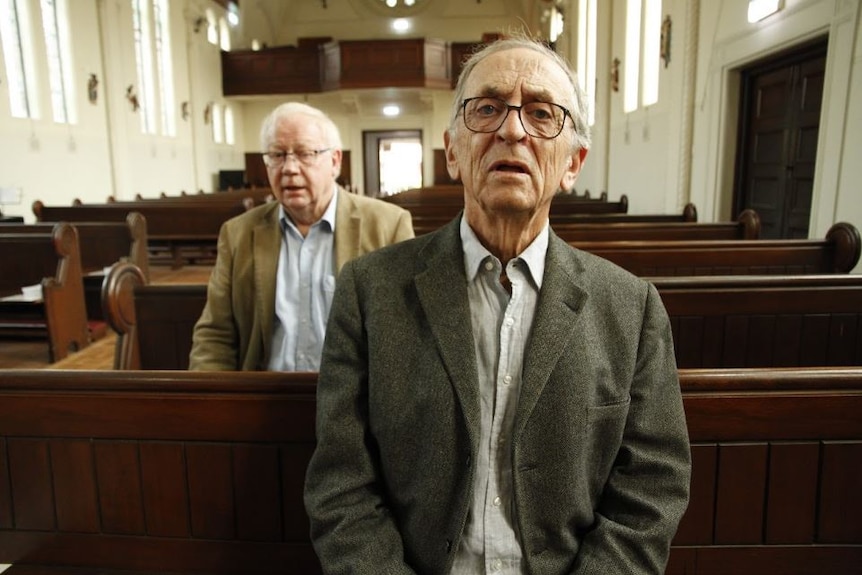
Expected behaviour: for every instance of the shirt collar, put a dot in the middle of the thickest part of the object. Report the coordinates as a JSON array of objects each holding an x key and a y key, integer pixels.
[
  {"x": 328, "y": 216},
  {"x": 533, "y": 256}
]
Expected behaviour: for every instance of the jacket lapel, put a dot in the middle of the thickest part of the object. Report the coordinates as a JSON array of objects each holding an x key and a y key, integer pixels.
[
  {"x": 266, "y": 244},
  {"x": 348, "y": 227},
  {"x": 556, "y": 318},
  {"x": 442, "y": 290}
]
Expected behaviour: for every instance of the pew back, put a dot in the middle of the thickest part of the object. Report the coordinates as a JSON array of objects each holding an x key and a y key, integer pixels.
[
  {"x": 765, "y": 321},
  {"x": 837, "y": 254},
  {"x": 203, "y": 472}
]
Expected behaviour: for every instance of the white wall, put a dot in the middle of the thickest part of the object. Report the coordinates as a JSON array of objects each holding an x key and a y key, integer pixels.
[{"x": 678, "y": 150}]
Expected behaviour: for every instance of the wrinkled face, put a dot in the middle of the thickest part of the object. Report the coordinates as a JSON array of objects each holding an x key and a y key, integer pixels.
[
  {"x": 304, "y": 189},
  {"x": 509, "y": 170}
]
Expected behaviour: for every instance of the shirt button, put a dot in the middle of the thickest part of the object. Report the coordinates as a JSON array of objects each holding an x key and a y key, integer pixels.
[
  {"x": 509, "y": 322},
  {"x": 507, "y": 380},
  {"x": 497, "y": 501},
  {"x": 497, "y": 565},
  {"x": 489, "y": 265}
]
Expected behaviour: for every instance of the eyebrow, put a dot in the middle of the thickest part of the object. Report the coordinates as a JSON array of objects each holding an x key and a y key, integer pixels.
[{"x": 541, "y": 95}]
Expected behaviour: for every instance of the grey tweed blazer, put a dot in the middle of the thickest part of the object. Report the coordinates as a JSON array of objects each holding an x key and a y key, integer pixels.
[{"x": 600, "y": 449}]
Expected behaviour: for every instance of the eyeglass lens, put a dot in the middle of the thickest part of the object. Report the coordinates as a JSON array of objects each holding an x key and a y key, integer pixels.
[{"x": 540, "y": 119}]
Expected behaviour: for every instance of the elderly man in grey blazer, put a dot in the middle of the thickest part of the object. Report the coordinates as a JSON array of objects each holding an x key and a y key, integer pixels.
[
  {"x": 491, "y": 399},
  {"x": 271, "y": 288}
]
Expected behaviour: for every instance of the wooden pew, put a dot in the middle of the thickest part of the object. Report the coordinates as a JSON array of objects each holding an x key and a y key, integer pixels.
[
  {"x": 776, "y": 469},
  {"x": 52, "y": 260},
  {"x": 258, "y": 195},
  {"x": 746, "y": 227},
  {"x": 764, "y": 321},
  {"x": 101, "y": 245},
  {"x": 185, "y": 231},
  {"x": 153, "y": 323},
  {"x": 838, "y": 253},
  {"x": 434, "y": 205},
  {"x": 181, "y": 472},
  {"x": 427, "y": 219},
  {"x": 717, "y": 321}
]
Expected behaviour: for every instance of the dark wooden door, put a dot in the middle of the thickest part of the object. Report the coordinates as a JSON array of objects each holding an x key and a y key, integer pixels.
[{"x": 779, "y": 124}]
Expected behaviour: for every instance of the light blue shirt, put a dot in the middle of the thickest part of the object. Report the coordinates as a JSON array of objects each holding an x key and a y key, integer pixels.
[
  {"x": 501, "y": 327},
  {"x": 304, "y": 286}
]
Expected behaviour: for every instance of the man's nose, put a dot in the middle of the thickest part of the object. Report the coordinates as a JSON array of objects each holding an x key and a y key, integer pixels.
[{"x": 512, "y": 128}]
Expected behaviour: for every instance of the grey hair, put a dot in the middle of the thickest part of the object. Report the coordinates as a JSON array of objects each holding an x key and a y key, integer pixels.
[
  {"x": 577, "y": 105},
  {"x": 267, "y": 128}
]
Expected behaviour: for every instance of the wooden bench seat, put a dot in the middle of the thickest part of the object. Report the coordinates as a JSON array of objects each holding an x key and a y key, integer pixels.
[
  {"x": 52, "y": 260},
  {"x": 182, "y": 472},
  {"x": 838, "y": 253}
]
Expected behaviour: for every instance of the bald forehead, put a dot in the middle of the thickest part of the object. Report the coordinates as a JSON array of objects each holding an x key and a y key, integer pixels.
[{"x": 519, "y": 71}]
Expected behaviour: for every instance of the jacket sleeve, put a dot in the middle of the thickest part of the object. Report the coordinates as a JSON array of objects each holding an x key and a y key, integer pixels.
[
  {"x": 352, "y": 528},
  {"x": 215, "y": 341},
  {"x": 404, "y": 227},
  {"x": 648, "y": 487}
]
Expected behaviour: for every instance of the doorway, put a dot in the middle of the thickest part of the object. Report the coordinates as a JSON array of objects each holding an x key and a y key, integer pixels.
[
  {"x": 393, "y": 161},
  {"x": 780, "y": 105}
]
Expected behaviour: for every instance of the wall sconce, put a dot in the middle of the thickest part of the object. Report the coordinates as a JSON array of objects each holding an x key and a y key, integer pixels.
[
  {"x": 198, "y": 23},
  {"x": 184, "y": 110},
  {"x": 208, "y": 110},
  {"x": 615, "y": 75},
  {"x": 760, "y": 9}
]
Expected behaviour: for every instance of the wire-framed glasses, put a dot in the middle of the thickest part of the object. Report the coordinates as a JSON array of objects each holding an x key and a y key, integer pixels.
[
  {"x": 277, "y": 158},
  {"x": 484, "y": 114}
]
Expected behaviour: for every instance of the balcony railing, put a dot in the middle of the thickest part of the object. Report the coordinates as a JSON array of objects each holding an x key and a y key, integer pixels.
[{"x": 325, "y": 66}]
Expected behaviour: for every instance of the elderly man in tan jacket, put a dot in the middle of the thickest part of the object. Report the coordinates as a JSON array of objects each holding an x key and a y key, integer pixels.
[{"x": 271, "y": 288}]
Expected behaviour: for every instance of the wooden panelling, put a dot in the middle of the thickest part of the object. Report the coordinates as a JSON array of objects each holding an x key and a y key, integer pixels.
[
  {"x": 791, "y": 500},
  {"x": 282, "y": 70},
  {"x": 740, "y": 493},
  {"x": 386, "y": 63},
  {"x": 165, "y": 489},
  {"x": 698, "y": 524},
  {"x": 120, "y": 493},
  {"x": 841, "y": 493},
  {"x": 30, "y": 474},
  {"x": 73, "y": 473}
]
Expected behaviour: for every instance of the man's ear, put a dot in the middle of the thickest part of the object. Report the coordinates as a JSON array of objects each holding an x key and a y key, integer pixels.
[
  {"x": 576, "y": 162},
  {"x": 336, "y": 157},
  {"x": 451, "y": 162}
]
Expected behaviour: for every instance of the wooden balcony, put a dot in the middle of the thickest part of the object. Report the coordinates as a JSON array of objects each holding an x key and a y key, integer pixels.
[{"x": 317, "y": 67}]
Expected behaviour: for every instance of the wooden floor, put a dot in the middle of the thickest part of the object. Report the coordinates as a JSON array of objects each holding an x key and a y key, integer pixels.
[{"x": 99, "y": 354}]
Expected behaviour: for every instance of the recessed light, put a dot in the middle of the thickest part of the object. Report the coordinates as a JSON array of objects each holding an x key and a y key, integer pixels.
[
  {"x": 401, "y": 24},
  {"x": 391, "y": 110}
]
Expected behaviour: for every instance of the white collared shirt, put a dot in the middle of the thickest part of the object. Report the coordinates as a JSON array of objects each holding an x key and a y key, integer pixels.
[
  {"x": 304, "y": 286},
  {"x": 501, "y": 328}
]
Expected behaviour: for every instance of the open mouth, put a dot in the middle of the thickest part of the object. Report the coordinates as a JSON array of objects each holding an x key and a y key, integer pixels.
[{"x": 511, "y": 167}]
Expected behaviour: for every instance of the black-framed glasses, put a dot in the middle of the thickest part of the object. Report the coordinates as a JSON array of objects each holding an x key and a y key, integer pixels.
[
  {"x": 277, "y": 158},
  {"x": 484, "y": 114}
]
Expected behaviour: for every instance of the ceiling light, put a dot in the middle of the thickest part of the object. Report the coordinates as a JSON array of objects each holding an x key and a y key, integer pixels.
[
  {"x": 391, "y": 110},
  {"x": 401, "y": 25}
]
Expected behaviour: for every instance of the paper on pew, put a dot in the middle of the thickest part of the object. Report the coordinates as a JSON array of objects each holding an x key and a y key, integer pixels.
[{"x": 33, "y": 292}]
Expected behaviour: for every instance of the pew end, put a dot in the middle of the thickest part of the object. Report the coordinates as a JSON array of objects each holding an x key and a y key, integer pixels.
[
  {"x": 118, "y": 307},
  {"x": 53, "y": 260}
]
